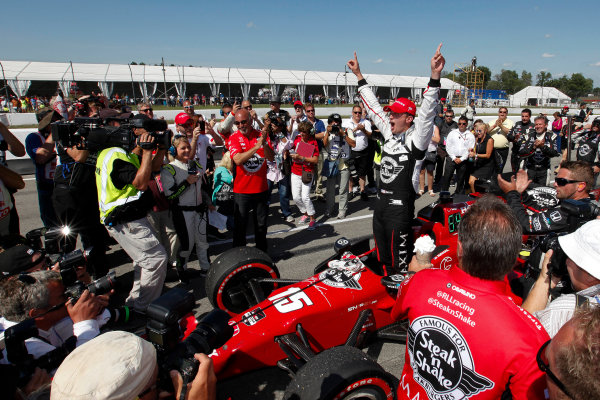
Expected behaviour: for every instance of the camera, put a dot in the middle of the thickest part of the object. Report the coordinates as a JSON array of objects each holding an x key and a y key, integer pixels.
[
  {"x": 579, "y": 212},
  {"x": 50, "y": 240},
  {"x": 74, "y": 290},
  {"x": 17, "y": 354},
  {"x": 166, "y": 315},
  {"x": 335, "y": 129},
  {"x": 558, "y": 265}
]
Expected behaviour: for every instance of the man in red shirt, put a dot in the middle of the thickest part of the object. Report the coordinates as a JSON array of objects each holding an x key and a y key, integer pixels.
[
  {"x": 467, "y": 338},
  {"x": 249, "y": 150}
]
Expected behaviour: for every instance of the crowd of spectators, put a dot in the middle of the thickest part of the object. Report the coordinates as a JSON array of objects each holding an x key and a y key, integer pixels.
[{"x": 158, "y": 201}]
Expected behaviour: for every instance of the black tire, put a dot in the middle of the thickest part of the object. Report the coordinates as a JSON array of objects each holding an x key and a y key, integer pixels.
[
  {"x": 227, "y": 280},
  {"x": 341, "y": 373}
]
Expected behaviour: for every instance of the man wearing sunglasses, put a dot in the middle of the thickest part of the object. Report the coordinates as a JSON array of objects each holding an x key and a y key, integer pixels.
[
  {"x": 571, "y": 359},
  {"x": 582, "y": 249},
  {"x": 406, "y": 139},
  {"x": 518, "y": 135},
  {"x": 539, "y": 148},
  {"x": 574, "y": 181}
]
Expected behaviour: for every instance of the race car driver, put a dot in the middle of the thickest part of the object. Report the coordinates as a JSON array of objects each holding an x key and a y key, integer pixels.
[
  {"x": 455, "y": 348},
  {"x": 574, "y": 181},
  {"x": 405, "y": 142}
]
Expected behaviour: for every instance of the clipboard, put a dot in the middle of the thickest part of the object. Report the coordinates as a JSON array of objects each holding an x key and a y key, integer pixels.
[{"x": 305, "y": 150}]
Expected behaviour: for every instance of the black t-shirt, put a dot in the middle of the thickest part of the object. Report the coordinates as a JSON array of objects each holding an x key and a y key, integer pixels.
[{"x": 79, "y": 175}]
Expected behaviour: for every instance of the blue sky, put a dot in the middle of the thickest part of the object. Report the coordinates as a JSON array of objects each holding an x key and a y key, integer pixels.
[{"x": 391, "y": 37}]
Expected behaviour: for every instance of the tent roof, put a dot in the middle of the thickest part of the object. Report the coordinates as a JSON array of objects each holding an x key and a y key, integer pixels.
[
  {"x": 79, "y": 72},
  {"x": 538, "y": 92}
]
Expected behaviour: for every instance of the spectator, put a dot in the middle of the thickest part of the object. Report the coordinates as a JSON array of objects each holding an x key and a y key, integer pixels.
[
  {"x": 470, "y": 113},
  {"x": 250, "y": 149},
  {"x": 538, "y": 148},
  {"x": 583, "y": 114},
  {"x": 146, "y": 109},
  {"x": 125, "y": 367},
  {"x": 122, "y": 179},
  {"x": 337, "y": 148},
  {"x": 453, "y": 318},
  {"x": 40, "y": 295},
  {"x": 40, "y": 148},
  {"x": 582, "y": 249},
  {"x": 445, "y": 127},
  {"x": 573, "y": 182},
  {"x": 440, "y": 110},
  {"x": 319, "y": 127},
  {"x": 428, "y": 165},
  {"x": 302, "y": 172},
  {"x": 482, "y": 155},
  {"x": 557, "y": 125},
  {"x": 279, "y": 170},
  {"x": 10, "y": 182},
  {"x": 225, "y": 126},
  {"x": 222, "y": 196},
  {"x": 189, "y": 203},
  {"x": 460, "y": 141},
  {"x": 299, "y": 116},
  {"x": 405, "y": 142},
  {"x": 518, "y": 135},
  {"x": 198, "y": 138},
  {"x": 359, "y": 131},
  {"x": 498, "y": 130},
  {"x": 570, "y": 360},
  {"x": 188, "y": 108},
  {"x": 256, "y": 122}
]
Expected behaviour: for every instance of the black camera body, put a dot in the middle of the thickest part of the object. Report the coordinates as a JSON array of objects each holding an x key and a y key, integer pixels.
[
  {"x": 164, "y": 332},
  {"x": 74, "y": 290},
  {"x": 50, "y": 240},
  {"x": 17, "y": 354}
]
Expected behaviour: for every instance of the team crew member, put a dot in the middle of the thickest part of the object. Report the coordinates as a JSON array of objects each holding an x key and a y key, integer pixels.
[
  {"x": 122, "y": 180},
  {"x": 453, "y": 331},
  {"x": 405, "y": 144},
  {"x": 183, "y": 186},
  {"x": 573, "y": 181},
  {"x": 589, "y": 146},
  {"x": 249, "y": 150},
  {"x": 539, "y": 148},
  {"x": 518, "y": 135}
]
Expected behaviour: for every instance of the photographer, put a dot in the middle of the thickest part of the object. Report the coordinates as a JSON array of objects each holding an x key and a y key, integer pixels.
[
  {"x": 582, "y": 249},
  {"x": 573, "y": 181},
  {"x": 124, "y": 367},
  {"x": 20, "y": 259},
  {"x": 40, "y": 295},
  {"x": 337, "y": 151},
  {"x": 75, "y": 201},
  {"x": 122, "y": 180},
  {"x": 359, "y": 131}
]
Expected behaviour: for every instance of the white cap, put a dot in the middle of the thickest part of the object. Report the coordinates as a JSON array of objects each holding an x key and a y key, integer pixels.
[
  {"x": 583, "y": 247},
  {"x": 115, "y": 365}
]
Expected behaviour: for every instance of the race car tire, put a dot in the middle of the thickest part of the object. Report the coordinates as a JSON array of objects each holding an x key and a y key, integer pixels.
[
  {"x": 341, "y": 373},
  {"x": 227, "y": 280}
]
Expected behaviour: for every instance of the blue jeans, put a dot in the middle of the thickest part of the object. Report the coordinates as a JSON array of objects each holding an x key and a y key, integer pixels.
[{"x": 283, "y": 187}]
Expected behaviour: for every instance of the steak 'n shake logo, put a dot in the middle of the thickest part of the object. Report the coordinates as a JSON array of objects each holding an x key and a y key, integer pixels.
[
  {"x": 441, "y": 360},
  {"x": 254, "y": 163}
]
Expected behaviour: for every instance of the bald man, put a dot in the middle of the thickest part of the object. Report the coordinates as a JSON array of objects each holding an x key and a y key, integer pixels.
[
  {"x": 249, "y": 150},
  {"x": 256, "y": 122}
]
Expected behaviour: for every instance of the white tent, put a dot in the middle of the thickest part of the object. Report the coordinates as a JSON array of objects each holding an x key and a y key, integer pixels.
[
  {"x": 19, "y": 75},
  {"x": 539, "y": 96}
]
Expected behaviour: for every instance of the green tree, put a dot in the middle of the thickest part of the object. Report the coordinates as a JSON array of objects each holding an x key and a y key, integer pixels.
[
  {"x": 509, "y": 81},
  {"x": 133, "y": 63},
  {"x": 579, "y": 86},
  {"x": 487, "y": 75},
  {"x": 526, "y": 78},
  {"x": 543, "y": 78}
]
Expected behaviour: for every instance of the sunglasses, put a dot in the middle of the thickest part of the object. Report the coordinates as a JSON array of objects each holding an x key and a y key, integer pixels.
[
  {"x": 462, "y": 123},
  {"x": 248, "y": 107},
  {"x": 188, "y": 106},
  {"x": 310, "y": 111},
  {"x": 564, "y": 181},
  {"x": 449, "y": 116},
  {"x": 544, "y": 366},
  {"x": 146, "y": 110},
  {"x": 244, "y": 122},
  {"x": 356, "y": 112}
]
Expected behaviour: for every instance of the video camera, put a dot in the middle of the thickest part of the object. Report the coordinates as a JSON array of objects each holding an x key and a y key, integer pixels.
[
  {"x": 96, "y": 134},
  {"x": 49, "y": 240},
  {"x": 164, "y": 331}
]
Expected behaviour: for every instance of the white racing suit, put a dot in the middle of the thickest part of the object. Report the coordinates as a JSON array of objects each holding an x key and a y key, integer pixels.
[{"x": 402, "y": 156}]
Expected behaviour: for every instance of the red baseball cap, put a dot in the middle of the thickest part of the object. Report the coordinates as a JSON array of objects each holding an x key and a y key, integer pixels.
[
  {"x": 443, "y": 99},
  {"x": 298, "y": 103},
  {"x": 181, "y": 118},
  {"x": 401, "y": 106}
]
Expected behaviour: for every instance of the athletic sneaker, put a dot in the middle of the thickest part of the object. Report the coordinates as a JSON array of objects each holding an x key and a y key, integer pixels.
[
  {"x": 290, "y": 219},
  {"x": 304, "y": 219},
  {"x": 311, "y": 225},
  {"x": 364, "y": 196},
  {"x": 341, "y": 215}
]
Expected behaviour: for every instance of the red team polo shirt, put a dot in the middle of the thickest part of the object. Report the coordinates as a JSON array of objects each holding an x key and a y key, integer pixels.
[
  {"x": 467, "y": 339},
  {"x": 251, "y": 177}
]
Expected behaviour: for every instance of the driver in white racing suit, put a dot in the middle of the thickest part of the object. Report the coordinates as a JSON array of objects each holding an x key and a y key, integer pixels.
[{"x": 406, "y": 139}]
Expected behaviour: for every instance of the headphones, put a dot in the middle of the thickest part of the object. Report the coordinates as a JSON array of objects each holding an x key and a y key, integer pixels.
[{"x": 173, "y": 151}]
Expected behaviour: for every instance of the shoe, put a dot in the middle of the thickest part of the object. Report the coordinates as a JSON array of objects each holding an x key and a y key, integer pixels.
[
  {"x": 421, "y": 192},
  {"x": 355, "y": 190},
  {"x": 304, "y": 219},
  {"x": 311, "y": 225},
  {"x": 290, "y": 219},
  {"x": 364, "y": 196},
  {"x": 372, "y": 190},
  {"x": 431, "y": 193},
  {"x": 341, "y": 215}
]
